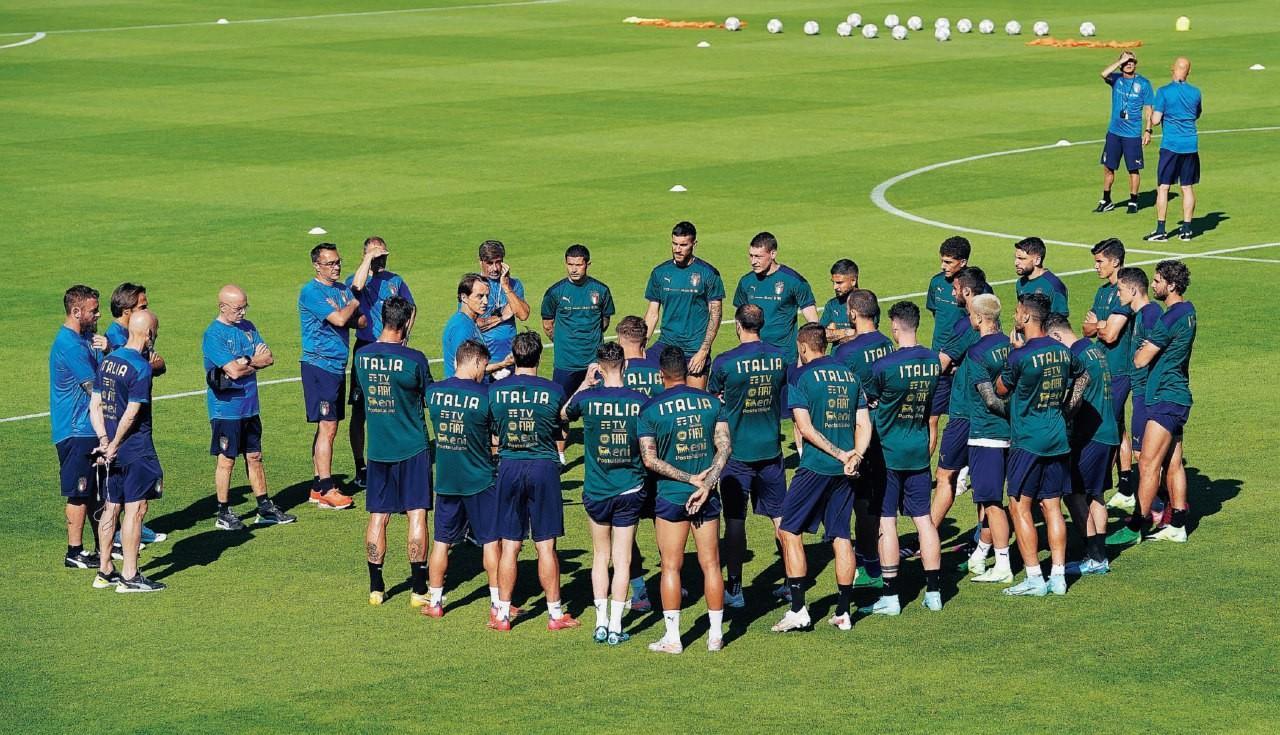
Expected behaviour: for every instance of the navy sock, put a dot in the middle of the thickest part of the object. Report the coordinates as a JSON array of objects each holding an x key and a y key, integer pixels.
[
  {"x": 933, "y": 580},
  {"x": 264, "y": 500},
  {"x": 73, "y": 550},
  {"x": 418, "y": 572},
  {"x": 796, "y": 585},
  {"x": 845, "y": 594},
  {"x": 734, "y": 584},
  {"x": 1179, "y": 518},
  {"x": 1160, "y": 225},
  {"x": 1106, "y": 195},
  {"x": 375, "y": 578}
]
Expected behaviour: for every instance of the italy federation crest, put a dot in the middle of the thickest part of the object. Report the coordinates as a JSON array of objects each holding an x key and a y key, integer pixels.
[
  {"x": 779, "y": 287},
  {"x": 695, "y": 279}
]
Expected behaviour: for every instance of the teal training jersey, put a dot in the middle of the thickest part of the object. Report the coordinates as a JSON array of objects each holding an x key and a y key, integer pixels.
[
  {"x": 394, "y": 379},
  {"x": 832, "y": 395},
  {"x": 1106, "y": 303},
  {"x": 1095, "y": 420},
  {"x": 684, "y": 293},
  {"x": 682, "y": 422},
  {"x": 526, "y": 416},
  {"x": 901, "y": 388},
  {"x": 1049, "y": 285},
  {"x": 1038, "y": 375},
  {"x": 579, "y": 311},
  {"x": 955, "y": 347},
  {"x": 835, "y": 313},
  {"x": 749, "y": 380},
  {"x": 1175, "y": 335},
  {"x": 983, "y": 364},
  {"x": 940, "y": 300},
  {"x": 463, "y": 428},
  {"x": 610, "y": 440},
  {"x": 642, "y": 374},
  {"x": 1142, "y": 324},
  {"x": 781, "y": 295},
  {"x": 861, "y": 352}
]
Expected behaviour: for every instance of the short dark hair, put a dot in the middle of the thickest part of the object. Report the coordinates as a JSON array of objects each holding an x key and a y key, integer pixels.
[
  {"x": 472, "y": 350},
  {"x": 764, "y": 240},
  {"x": 1133, "y": 276},
  {"x": 491, "y": 250},
  {"x": 844, "y": 267},
  {"x": 955, "y": 247},
  {"x": 971, "y": 277},
  {"x": 1176, "y": 274},
  {"x": 1110, "y": 248},
  {"x": 1037, "y": 305},
  {"x": 905, "y": 312},
  {"x": 77, "y": 295},
  {"x": 609, "y": 353},
  {"x": 1057, "y": 321},
  {"x": 372, "y": 239},
  {"x": 315, "y": 252},
  {"x": 125, "y": 297},
  {"x": 863, "y": 302},
  {"x": 578, "y": 251},
  {"x": 814, "y": 336},
  {"x": 526, "y": 348},
  {"x": 396, "y": 312},
  {"x": 467, "y": 285},
  {"x": 750, "y": 317},
  {"x": 633, "y": 328},
  {"x": 1032, "y": 246},
  {"x": 672, "y": 363},
  {"x": 684, "y": 229}
]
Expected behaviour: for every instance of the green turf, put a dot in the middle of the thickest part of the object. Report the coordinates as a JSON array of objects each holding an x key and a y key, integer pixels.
[{"x": 190, "y": 156}]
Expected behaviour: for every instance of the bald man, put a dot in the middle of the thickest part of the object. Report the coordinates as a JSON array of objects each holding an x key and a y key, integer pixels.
[
  {"x": 234, "y": 352},
  {"x": 1176, "y": 109},
  {"x": 120, "y": 409}
]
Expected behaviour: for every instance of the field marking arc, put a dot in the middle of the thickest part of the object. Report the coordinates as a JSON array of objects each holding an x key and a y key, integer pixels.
[
  {"x": 283, "y": 19},
  {"x": 24, "y": 42}
]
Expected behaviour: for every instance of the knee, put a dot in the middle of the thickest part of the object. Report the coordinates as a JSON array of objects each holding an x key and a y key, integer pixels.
[{"x": 253, "y": 458}]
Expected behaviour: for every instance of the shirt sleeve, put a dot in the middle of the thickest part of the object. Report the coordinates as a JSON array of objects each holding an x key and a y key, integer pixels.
[
  {"x": 715, "y": 383},
  {"x": 1158, "y": 104},
  {"x": 549, "y": 304},
  {"x": 1111, "y": 78},
  {"x": 739, "y": 296},
  {"x": 216, "y": 351},
  {"x": 804, "y": 294},
  {"x": 1160, "y": 334},
  {"x": 140, "y": 387},
  {"x": 1148, "y": 94},
  {"x": 872, "y": 387},
  {"x": 517, "y": 285},
  {"x": 404, "y": 292},
  {"x": 826, "y": 318},
  {"x": 607, "y": 308},
  {"x": 573, "y": 409},
  {"x": 645, "y": 426},
  {"x": 1009, "y": 374},
  {"x": 312, "y": 303},
  {"x": 930, "y": 301},
  {"x": 715, "y": 287},
  {"x": 1077, "y": 367},
  {"x": 652, "y": 291},
  {"x": 80, "y": 364}
]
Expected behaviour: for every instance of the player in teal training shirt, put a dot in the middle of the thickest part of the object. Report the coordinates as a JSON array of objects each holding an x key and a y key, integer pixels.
[
  {"x": 1108, "y": 321},
  {"x": 835, "y": 313},
  {"x": 1028, "y": 262},
  {"x": 779, "y": 291},
  {"x": 689, "y": 294}
]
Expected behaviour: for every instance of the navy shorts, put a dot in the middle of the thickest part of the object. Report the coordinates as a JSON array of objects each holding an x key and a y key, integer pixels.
[
  {"x": 322, "y": 392},
  {"x": 569, "y": 380},
  {"x": 1117, "y": 146},
  {"x": 942, "y": 397},
  {"x": 655, "y": 351},
  {"x": 1037, "y": 477},
  {"x": 813, "y": 498},
  {"x": 869, "y": 484},
  {"x": 620, "y": 511},
  {"x": 648, "y": 496},
  {"x": 141, "y": 479},
  {"x": 1182, "y": 169},
  {"x": 454, "y": 513},
  {"x": 1171, "y": 416},
  {"x": 1091, "y": 468},
  {"x": 397, "y": 487},
  {"x": 355, "y": 396},
  {"x": 234, "y": 437},
  {"x": 764, "y": 482},
  {"x": 529, "y": 500},
  {"x": 1138, "y": 424},
  {"x": 76, "y": 467},
  {"x": 906, "y": 491},
  {"x": 986, "y": 473},
  {"x": 1119, "y": 394},
  {"x": 675, "y": 512},
  {"x": 955, "y": 445}
]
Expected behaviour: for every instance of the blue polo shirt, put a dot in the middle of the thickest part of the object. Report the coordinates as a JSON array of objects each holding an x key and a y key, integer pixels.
[
  {"x": 380, "y": 287},
  {"x": 123, "y": 378},
  {"x": 116, "y": 336},
  {"x": 499, "y": 338},
  {"x": 1128, "y": 97},
  {"x": 71, "y": 364},
  {"x": 457, "y": 330},
  {"x": 1180, "y": 104},
  {"x": 323, "y": 344},
  {"x": 223, "y": 343}
]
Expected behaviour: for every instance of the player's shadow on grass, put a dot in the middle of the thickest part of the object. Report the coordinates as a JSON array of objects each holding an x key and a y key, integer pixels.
[
  {"x": 1206, "y": 496},
  {"x": 1208, "y": 222},
  {"x": 1147, "y": 199},
  {"x": 529, "y": 589}
]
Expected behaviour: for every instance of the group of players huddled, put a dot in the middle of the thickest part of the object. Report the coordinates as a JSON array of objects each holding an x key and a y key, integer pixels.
[{"x": 670, "y": 431}]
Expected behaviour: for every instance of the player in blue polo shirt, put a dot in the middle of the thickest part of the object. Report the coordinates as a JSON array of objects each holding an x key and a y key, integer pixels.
[
  {"x": 1131, "y": 98},
  {"x": 506, "y": 304},
  {"x": 1177, "y": 107}
]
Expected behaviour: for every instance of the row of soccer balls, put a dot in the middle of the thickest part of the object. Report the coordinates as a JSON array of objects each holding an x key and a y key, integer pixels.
[{"x": 941, "y": 27}]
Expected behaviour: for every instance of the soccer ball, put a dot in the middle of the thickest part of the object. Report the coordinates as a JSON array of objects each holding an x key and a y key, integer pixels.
[
  {"x": 774, "y": 26},
  {"x": 1087, "y": 29},
  {"x": 854, "y": 19},
  {"x": 811, "y": 28},
  {"x": 899, "y": 33},
  {"x": 942, "y": 23},
  {"x": 942, "y": 33},
  {"x": 915, "y": 23},
  {"x": 986, "y": 25},
  {"x": 964, "y": 25},
  {"x": 870, "y": 30},
  {"x": 844, "y": 30},
  {"x": 1013, "y": 28},
  {"x": 1040, "y": 28},
  {"x": 890, "y": 20},
  {"x": 732, "y": 24}
]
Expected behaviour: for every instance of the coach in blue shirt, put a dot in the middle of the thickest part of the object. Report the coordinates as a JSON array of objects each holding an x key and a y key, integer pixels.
[
  {"x": 1131, "y": 98},
  {"x": 1176, "y": 109},
  {"x": 506, "y": 304}
]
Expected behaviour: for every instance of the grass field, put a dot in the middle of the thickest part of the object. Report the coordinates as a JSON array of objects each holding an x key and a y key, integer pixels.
[{"x": 193, "y": 154}]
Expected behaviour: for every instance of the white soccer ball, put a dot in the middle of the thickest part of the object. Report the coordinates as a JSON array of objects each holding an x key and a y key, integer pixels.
[
  {"x": 942, "y": 23},
  {"x": 1040, "y": 28},
  {"x": 774, "y": 26},
  {"x": 732, "y": 24},
  {"x": 942, "y": 33},
  {"x": 1087, "y": 29},
  {"x": 1013, "y": 28},
  {"x": 986, "y": 25},
  {"x": 870, "y": 30},
  {"x": 899, "y": 33},
  {"x": 964, "y": 25},
  {"x": 890, "y": 20},
  {"x": 854, "y": 19},
  {"x": 915, "y": 23},
  {"x": 844, "y": 30},
  {"x": 811, "y": 28}
]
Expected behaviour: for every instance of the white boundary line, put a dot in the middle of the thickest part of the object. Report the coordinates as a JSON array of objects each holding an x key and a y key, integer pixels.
[
  {"x": 285, "y": 19},
  {"x": 26, "y": 42}
]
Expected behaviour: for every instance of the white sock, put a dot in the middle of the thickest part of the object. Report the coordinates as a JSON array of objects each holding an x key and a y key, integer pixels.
[
  {"x": 562, "y": 459},
  {"x": 601, "y": 612},
  {"x": 1057, "y": 570},
  {"x": 437, "y": 594},
  {"x": 504, "y": 610},
  {"x": 615, "y": 615},
  {"x": 493, "y": 595},
  {"x": 553, "y": 609},
  {"x": 671, "y": 619},
  {"x": 717, "y": 624},
  {"x": 983, "y": 549},
  {"x": 1034, "y": 572},
  {"x": 1002, "y": 558}
]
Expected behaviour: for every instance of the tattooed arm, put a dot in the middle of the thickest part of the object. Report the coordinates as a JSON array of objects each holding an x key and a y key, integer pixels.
[
  {"x": 993, "y": 404},
  {"x": 704, "y": 482},
  {"x": 1076, "y": 396},
  {"x": 649, "y": 453},
  {"x": 814, "y": 437},
  {"x": 699, "y": 359}
]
